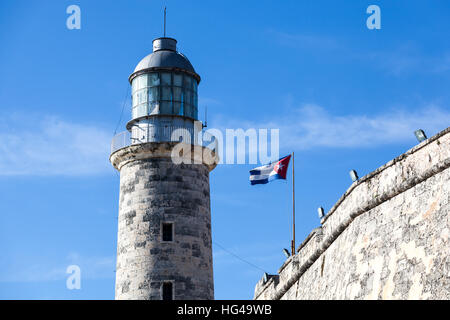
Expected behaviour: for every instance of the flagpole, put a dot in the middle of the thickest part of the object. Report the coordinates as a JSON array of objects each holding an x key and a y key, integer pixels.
[{"x": 293, "y": 207}]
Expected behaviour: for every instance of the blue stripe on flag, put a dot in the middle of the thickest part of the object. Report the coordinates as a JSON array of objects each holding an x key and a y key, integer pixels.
[
  {"x": 266, "y": 180},
  {"x": 262, "y": 181}
]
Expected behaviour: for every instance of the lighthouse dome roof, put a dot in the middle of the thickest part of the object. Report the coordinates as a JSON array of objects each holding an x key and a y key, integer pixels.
[{"x": 165, "y": 56}]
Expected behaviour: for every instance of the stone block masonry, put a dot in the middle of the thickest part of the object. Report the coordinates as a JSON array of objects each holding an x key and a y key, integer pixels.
[
  {"x": 153, "y": 191},
  {"x": 386, "y": 238}
]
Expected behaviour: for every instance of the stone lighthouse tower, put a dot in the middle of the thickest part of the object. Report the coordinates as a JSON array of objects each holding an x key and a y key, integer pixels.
[{"x": 164, "y": 237}]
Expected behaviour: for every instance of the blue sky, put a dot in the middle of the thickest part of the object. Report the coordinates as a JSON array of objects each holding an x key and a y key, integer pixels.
[{"x": 343, "y": 96}]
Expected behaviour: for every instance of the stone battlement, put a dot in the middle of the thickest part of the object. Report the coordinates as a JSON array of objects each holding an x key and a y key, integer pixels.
[{"x": 385, "y": 238}]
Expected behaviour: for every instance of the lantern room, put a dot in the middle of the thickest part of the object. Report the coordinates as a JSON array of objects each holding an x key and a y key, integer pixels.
[{"x": 164, "y": 94}]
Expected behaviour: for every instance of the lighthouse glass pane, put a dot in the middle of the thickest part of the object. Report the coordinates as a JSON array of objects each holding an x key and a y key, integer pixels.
[
  {"x": 194, "y": 85},
  {"x": 166, "y": 93},
  {"x": 166, "y": 107},
  {"x": 188, "y": 96},
  {"x": 177, "y": 94},
  {"x": 181, "y": 112},
  {"x": 141, "y": 110},
  {"x": 142, "y": 96},
  {"x": 177, "y": 108},
  {"x": 188, "y": 110},
  {"x": 143, "y": 81},
  {"x": 153, "y": 79},
  {"x": 166, "y": 79},
  {"x": 151, "y": 108},
  {"x": 154, "y": 108},
  {"x": 138, "y": 110},
  {"x": 153, "y": 94},
  {"x": 177, "y": 80},
  {"x": 138, "y": 83},
  {"x": 135, "y": 99},
  {"x": 187, "y": 82}
]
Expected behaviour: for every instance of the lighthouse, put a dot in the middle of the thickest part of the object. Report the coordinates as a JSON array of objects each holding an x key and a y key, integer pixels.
[{"x": 164, "y": 241}]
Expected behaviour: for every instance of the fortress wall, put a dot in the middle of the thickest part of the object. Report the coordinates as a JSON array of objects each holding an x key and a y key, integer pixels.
[{"x": 386, "y": 238}]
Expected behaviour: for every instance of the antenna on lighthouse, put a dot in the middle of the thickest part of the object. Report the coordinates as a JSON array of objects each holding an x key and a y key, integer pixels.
[{"x": 164, "y": 21}]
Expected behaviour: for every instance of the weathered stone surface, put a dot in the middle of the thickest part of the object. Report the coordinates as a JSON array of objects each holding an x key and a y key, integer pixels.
[
  {"x": 154, "y": 190},
  {"x": 386, "y": 238}
]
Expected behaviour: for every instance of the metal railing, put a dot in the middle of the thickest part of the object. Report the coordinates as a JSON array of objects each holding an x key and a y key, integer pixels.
[
  {"x": 165, "y": 134},
  {"x": 120, "y": 140}
]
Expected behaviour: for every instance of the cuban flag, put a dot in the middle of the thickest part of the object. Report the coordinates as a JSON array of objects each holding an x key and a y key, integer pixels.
[{"x": 271, "y": 171}]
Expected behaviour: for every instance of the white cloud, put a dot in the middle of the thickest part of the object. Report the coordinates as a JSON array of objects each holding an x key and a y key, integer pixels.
[
  {"x": 91, "y": 268},
  {"x": 409, "y": 59},
  {"x": 94, "y": 267},
  {"x": 311, "y": 126},
  {"x": 406, "y": 58},
  {"x": 51, "y": 146}
]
